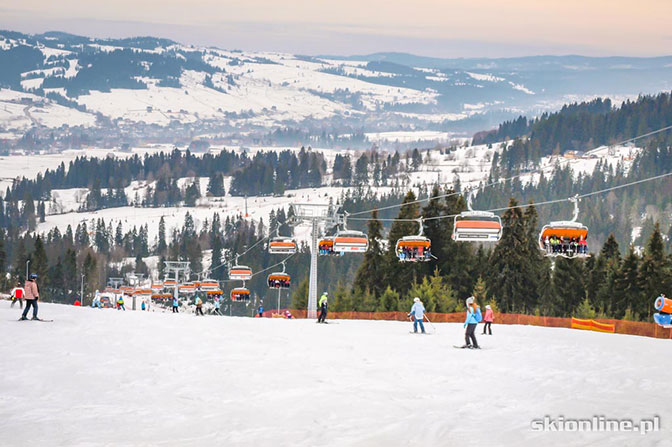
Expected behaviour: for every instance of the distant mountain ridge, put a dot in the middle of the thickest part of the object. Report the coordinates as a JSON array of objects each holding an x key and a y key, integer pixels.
[
  {"x": 57, "y": 79},
  {"x": 539, "y": 61}
]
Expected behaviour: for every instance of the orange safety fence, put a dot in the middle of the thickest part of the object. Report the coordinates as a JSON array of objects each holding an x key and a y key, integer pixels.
[{"x": 641, "y": 328}]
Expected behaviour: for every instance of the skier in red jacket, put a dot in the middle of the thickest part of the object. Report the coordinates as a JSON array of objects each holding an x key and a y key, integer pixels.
[{"x": 17, "y": 295}]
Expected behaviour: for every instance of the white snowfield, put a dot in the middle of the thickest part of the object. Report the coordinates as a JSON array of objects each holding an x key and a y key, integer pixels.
[{"x": 104, "y": 377}]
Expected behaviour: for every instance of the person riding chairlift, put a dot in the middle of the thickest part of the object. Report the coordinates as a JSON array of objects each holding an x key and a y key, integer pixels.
[{"x": 583, "y": 245}]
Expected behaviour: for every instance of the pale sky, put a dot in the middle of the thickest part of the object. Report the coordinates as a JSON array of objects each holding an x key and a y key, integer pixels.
[{"x": 441, "y": 28}]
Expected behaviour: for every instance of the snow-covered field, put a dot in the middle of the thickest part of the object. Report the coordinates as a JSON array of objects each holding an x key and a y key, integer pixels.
[{"x": 103, "y": 377}]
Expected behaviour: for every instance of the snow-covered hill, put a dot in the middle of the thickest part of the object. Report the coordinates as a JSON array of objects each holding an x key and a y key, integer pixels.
[
  {"x": 54, "y": 79},
  {"x": 470, "y": 164},
  {"x": 104, "y": 377}
]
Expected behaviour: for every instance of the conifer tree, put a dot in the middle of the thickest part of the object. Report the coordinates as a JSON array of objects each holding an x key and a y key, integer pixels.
[
  {"x": 70, "y": 276},
  {"x": 39, "y": 263},
  {"x": 216, "y": 185},
  {"x": 192, "y": 194},
  {"x": 388, "y": 301},
  {"x": 506, "y": 281},
  {"x": 436, "y": 295},
  {"x": 654, "y": 273},
  {"x": 300, "y": 296},
  {"x": 217, "y": 271},
  {"x": 161, "y": 243},
  {"x": 533, "y": 260},
  {"x": 362, "y": 170},
  {"x": 119, "y": 235},
  {"x": 627, "y": 292},
  {"x": 602, "y": 274},
  {"x": 400, "y": 275},
  {"x": 568, "y": 285},
  {"x": 370, "y": 273}
]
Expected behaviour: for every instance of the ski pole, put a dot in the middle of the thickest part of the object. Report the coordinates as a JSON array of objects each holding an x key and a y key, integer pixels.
[{"x": 430, "y": 323}]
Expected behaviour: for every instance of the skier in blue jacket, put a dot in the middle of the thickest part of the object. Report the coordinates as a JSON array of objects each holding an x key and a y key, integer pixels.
[
  {"x": 470, "y": 323},
  {"x": 418, "y": 313}
]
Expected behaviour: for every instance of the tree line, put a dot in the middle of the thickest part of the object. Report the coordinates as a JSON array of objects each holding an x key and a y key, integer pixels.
[{"x": 578, "y": 127}]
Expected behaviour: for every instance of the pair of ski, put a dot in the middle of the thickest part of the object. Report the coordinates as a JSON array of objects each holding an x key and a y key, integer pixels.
[{"x": 36, "y": 319}]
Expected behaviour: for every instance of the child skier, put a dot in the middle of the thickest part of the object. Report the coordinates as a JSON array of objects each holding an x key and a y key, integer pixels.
[
  {"x": 260, "y": 311},
  {"x": 472, "y": 320},
  {"x": 199, "y": 306},
  {"x": 120, "y": 303},
  {"x": 176, "y": 304},
  {"x": 216, "y": 301},
  {"x": 17, "y": 295},
  {"x": 488, "y": 318},
  {"x": 418, "y": 313}
]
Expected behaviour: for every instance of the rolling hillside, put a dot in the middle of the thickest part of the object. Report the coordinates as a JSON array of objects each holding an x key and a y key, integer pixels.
[{"x": 56, "y": 79}]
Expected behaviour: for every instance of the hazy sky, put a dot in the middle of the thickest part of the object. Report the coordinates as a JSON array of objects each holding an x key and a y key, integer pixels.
[{"x": 444, "y": 28}]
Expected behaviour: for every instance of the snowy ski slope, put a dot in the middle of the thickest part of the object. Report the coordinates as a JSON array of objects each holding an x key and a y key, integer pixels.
[{"x": 104, "y": 377}]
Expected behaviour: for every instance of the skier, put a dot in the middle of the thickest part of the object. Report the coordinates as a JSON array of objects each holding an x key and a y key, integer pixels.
[
  {"x": 216, "y": 300},
  {"x": 175, "y": 305},
  {"x": 120, "y": 303},
  {"x": 260, "y": 311},
  {"x": 488, "y": 318},
  {"x": 418, "y": 313},
  {"x": 288, "y": 314},
  {"x": 96, "y": 300},
  {"x": 472, "y": 320},
  {"x": 143, "y": 305},
  {"x": 323, "y": 308},
  {"x": 199, "y": 305},
  {"x": 17, "y": 294},
  {"x": 32, "y": 294}
]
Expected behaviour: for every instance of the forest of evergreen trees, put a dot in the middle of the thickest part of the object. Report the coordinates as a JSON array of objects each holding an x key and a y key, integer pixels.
[{"x": 579, "y": 127}]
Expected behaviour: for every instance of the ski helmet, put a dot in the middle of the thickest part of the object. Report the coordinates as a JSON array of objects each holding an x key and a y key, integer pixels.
[
  {"x": 33, "y": 276},
  {"x": 470, "y": 300},
  {"x": 416, "y": 299}
]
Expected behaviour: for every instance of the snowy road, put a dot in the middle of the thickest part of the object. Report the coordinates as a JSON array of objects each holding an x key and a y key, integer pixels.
[{"x": 102, "y": 377}]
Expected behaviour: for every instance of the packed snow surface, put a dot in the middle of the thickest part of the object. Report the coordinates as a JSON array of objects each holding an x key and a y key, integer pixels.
[{"x": 105, "y": 377}]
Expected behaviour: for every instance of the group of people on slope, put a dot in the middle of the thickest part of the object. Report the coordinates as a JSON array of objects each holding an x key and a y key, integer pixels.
[
  {"x": 473, "y": 318},
  {"x": 198, "y": 305},
  {"x": 28, "y": 292},
  {"x": 565, "y": 245},
  {"x": 413, "y": 253}
]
